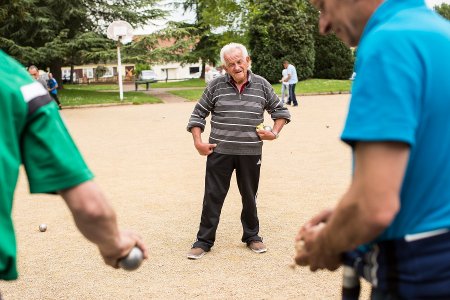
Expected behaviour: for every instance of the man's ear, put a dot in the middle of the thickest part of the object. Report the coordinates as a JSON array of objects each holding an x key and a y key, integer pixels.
[{"x": 248, "y": 59}]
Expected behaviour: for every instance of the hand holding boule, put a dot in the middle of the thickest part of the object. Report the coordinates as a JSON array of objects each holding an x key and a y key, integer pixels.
[{"x": 133, "y": 260}]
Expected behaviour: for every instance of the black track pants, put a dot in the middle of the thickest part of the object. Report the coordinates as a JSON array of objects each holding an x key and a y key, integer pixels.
[{"x": 219, "y": 169}]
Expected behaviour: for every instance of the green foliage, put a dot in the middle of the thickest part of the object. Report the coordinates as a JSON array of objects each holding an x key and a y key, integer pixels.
[
  {"x": 53, "y": 33},
  {"x": 139, "y": 67},
  {"x": 443, "y": 10},
  {"x": 334, "y": 60},
  {"x": 217, "y": 22},
  {"x": 100, "y": 71},
  {"x": 280, "y": 30},
  {"x": 148, "y": 50}
]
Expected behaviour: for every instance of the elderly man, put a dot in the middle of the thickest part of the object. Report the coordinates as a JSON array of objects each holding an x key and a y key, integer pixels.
[
  {"x": 398, "y": 203},
  {"x": 34, "y": 72},
  {"x": 237, "y": 102},
  {"x": 33, "y": 134}
]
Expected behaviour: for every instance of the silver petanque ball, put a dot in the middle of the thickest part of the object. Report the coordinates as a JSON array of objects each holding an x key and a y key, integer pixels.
[
  {"x": 133, "y": 260},
  {"x": 268, "y": 128},
  {"x": 42, "y": 227}
]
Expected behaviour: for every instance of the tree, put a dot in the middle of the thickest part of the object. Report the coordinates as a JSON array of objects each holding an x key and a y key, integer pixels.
[
  {"x": 334, "y": 60},
  {"x": 287, "y": 36},
  {"x": 52, "y": 32},
  {"x": 215, "y": 25},
  {"x": 443, "y": 10}
]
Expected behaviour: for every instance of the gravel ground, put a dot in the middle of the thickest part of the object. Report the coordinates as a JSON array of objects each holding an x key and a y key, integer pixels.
[{"x": 146, "y": 163}]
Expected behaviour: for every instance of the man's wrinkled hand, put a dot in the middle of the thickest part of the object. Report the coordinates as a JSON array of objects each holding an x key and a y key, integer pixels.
[
  {"x": 205, "y": 148},
  {"x": 265, "y": 134}
]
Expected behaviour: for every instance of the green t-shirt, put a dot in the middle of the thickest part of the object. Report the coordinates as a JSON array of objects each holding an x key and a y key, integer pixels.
[{"x": 33, "y": 134}]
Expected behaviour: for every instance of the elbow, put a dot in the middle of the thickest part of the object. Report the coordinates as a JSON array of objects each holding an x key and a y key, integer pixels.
[
  {"x": 380, "y": 216},
  {"x": 381, "y": 220}
]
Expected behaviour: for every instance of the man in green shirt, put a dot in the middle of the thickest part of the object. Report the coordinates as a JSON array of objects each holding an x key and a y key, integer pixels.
[{"x": 33, "y": 134}]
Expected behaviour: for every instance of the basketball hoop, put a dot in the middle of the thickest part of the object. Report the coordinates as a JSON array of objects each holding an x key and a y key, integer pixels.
[{"x": 122, "y": 32}]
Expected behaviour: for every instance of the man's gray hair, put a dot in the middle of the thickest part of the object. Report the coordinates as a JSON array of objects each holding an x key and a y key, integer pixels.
[{"x": 231, "y": 46}]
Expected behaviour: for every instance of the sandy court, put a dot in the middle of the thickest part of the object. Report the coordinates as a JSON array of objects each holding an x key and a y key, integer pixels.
[{"x": 145, "y": 162}]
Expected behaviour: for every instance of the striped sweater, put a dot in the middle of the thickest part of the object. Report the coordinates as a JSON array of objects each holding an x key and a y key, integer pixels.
[{"x": 234, "y": 115}]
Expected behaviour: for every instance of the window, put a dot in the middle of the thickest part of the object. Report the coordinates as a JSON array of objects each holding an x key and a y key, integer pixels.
[{"x": 193, "y": 70}]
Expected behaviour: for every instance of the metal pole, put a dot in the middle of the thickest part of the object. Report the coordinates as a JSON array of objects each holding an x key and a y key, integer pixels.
[{"x": 119, "y": 69}]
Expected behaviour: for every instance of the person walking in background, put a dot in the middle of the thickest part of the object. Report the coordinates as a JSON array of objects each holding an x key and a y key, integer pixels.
[
  {"x": 292, "y": 80},
  {"x": 396, "y": 211},
  {"x": 284, "y": 84},
  {"x": 237, "y": 102},
  {"x": 34, "y": 72},
  {"x": 52, "y": 87},
  {"x": 32, "y": 133},
  {"x": 209, "y": 75}
]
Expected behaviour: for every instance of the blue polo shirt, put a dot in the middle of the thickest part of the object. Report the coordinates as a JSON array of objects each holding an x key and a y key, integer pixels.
[
  {"x": 51, "y": 84},
  {"x": 402, "y": 94}
]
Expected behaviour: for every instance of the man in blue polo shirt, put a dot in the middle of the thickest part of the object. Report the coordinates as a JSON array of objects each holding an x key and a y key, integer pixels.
[
  {"x": 398, "y": 203},
  {"x": 52, "y": 87}
]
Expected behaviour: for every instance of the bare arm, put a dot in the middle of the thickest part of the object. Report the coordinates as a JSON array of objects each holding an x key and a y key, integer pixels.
[
  {"x": 278, "y": 124},
  {"x": 96, "y": 220},
  {"x": 368, "y": 207},
  {"x": 202, "y": 148}
]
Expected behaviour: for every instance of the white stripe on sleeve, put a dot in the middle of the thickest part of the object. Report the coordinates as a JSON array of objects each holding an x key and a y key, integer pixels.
[{"x": 32, "y": 90}]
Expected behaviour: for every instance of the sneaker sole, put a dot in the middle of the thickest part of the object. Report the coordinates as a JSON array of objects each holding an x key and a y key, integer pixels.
[
  {"x": 259, "y": 250},
  {"x": 194, "y": 257}
]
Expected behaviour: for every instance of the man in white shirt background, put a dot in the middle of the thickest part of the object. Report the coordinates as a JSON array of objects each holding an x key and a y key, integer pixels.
[{"x": 292, "y": 80}]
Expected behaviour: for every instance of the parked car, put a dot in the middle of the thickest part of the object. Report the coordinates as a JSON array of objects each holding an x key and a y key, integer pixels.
[{"x": 148, "y": 75}]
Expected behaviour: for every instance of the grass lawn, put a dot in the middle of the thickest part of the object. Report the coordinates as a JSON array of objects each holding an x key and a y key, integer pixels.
[
  {"x": 75, "y": 97},
  {"x": 309, "y": 86},
  {"x": 82, "y": 94},
  {"x": 92, "y": 87},
  {"x": 191, "y": 95},
  {"x": 314, "y": 86},
  {"x": 196, "y": 82},
  {"x": 200, "y": 83}
]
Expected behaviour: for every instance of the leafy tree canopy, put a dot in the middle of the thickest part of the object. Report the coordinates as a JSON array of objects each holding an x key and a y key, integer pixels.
[
  {"x": 52, "y": 32},
  {"x": 443, "y": 10},
  {"x": 280, "y": 30}
]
